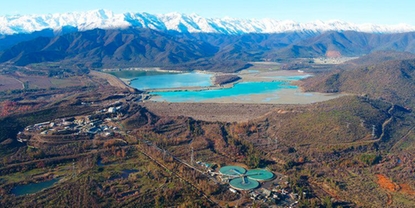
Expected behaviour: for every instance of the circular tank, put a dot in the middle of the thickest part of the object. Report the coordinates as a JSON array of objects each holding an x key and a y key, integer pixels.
[
  {"x": 259, "y": 175},
  {"x": 243, "y": 183},
  {"x": 232, "y": 170}
]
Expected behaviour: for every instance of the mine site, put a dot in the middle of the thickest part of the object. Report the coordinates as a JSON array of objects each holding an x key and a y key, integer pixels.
[{"x": 101, "y": 108}]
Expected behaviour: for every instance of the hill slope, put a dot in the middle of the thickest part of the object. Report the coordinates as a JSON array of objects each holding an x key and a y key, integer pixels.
[
  {"x": 349, "y": 43},
  {"x": 110, "y": 48},
  {"x": 379, "y": 57},
  {"x": 390, "y": 80}
]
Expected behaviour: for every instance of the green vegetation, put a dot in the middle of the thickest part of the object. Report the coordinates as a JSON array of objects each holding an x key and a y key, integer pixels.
[
  {"x": 327, "y": 202},
  {"x": 370, "y": 159}
]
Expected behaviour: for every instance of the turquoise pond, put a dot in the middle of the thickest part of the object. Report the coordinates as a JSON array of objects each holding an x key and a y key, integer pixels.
[
  {"x": 32, "y": 188},
  {"x": 239, "y": 89},
  {"x": 171, "y": 80},
  {"x": 165, "y": 81}
]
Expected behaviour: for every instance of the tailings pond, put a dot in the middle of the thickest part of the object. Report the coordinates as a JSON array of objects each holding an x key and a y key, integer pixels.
[
  {"x": 144, "y": 80},
  {"x": 255, "y": 87}
]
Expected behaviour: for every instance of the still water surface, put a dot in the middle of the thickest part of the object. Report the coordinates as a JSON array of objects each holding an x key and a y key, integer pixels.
[
  {"x": 159, "y": 80},
  {"x": 32, "y": 188},
  {"x": 171, "y": 80},
  {"x": 239, "y": 89}
]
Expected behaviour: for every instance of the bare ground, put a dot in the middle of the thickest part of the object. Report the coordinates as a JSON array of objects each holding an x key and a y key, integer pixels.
[
  {"x": 391, "y": 187},
  {"x": 112, "y": 80},
  {"x": 9, "y": 83},
  {"x": 224, "y": 112}
]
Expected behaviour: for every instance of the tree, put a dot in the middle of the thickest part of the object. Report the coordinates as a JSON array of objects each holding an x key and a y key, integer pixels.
[
  {"x": 290, "y": 164},
  {"x": 253, "y": 160},
  {"x": 327, "y": 202}
]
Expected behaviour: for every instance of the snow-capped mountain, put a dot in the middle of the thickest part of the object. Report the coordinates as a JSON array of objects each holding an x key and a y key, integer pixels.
[{"x": 105, "y": 19}]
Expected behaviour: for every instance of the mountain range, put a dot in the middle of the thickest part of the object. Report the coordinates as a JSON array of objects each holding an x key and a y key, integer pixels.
[
  {"x": 132, "y": 47},
  {"x": 100, "y": 39},
  {"x": 104, "y": 46},
  {"x": 193, "y": 23}
]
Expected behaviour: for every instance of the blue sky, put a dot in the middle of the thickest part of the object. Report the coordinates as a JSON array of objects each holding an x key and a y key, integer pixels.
[{"x": 357, "y": 11}]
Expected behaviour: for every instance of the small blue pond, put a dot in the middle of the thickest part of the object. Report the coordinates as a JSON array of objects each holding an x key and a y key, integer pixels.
[{"x": 32, "y": 188}]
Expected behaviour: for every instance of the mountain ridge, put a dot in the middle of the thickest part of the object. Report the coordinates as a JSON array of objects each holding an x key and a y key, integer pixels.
[
  {"x": 134, "y": 47},
  {"x": 104, "y": 46},
  {"x": 193, "y": 23}
]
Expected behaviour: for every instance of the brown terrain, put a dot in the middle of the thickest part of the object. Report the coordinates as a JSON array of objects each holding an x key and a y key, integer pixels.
[
  {"x": 325, "y": 149},
  {"x": 112, "y": 80},
  {"x": 391, "y": 187},
  {"x": 225, "y": 79},
  {"x": 9, "y": 83},
  {"x": 387, "y": 184},
  {"x": 333, "y": 54},
  {"x": 211, "y": 111}
]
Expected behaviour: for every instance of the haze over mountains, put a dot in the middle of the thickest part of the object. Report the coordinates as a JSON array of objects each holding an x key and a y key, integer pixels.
[{"x": 105, "y": 19}]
